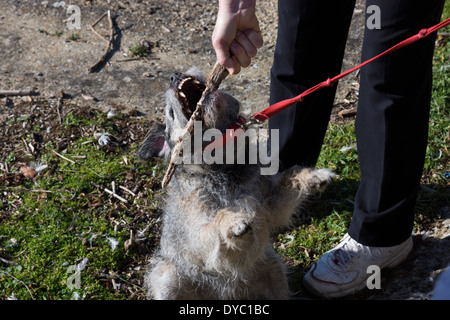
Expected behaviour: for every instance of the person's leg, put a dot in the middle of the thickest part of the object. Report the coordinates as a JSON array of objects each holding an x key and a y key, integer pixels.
[
  {"x": 310, "y": 47},
  {"x": 392, "y": 122}
]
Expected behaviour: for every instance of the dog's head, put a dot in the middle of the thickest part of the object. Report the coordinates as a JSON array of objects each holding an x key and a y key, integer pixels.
[{"x": 219, "y": 111}]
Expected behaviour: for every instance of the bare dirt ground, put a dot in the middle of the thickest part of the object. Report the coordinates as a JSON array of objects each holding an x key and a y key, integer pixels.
[{"x": 38, "y": 52}]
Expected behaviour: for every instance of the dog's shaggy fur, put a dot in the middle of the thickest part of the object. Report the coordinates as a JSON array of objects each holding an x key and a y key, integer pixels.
[{"x": 218, "y": 219}]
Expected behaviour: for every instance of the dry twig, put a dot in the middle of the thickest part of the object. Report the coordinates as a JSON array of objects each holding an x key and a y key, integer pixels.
[
  {"x": 109, "y": 41},
  {"x": 136, "y": 58},
  {"x": 4, "y": 260},
  {"x": 34, "y": 190},
  {"x": 212, "y": 84},
  {"x": 67, "y": 159},
  {"x": 128, "y": 190},
  {"x": 10, "y": 93},
  {"x": 114, "y": 194},
  {"x": 95, "y": 32},
  {"x": 80, "y": 157},
  {"x": 58, "y": 107},
  {"x": 19, "y": 281}
]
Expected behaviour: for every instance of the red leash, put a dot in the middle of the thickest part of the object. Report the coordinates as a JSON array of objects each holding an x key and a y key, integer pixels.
[{"x": 265, "y": 114}]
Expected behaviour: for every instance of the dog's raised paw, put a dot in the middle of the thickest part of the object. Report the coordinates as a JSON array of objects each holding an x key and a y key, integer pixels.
[
  {"x": 320, "y": 178},
  {"x": 311, "y": 180},
  {"x": 240, "y": 229}
]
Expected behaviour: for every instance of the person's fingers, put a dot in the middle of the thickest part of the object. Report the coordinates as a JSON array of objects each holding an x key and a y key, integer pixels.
[
  {"x": 223, "y": 53},
  {"x": 254, "y": 37},
  {"x": 244, "y": 47},
  {"x": 237, "y": 66},
  {"x": 240, "y": 54},
  {"x": 242, "y": 39}
]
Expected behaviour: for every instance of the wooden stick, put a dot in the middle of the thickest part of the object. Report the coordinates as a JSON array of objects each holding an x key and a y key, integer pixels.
[
  {"x": 216, "y": 76},
  {"x": 95, "y": 23},
  {"x": 116, "y": 195},
  {"x": 137, "y": 58},
  {"x": 35, "y": 190},
  {"x": 58, "y": 106},
  {"x": 67, "y": 159},
  {"x": 108, "y": 46},
  {"x": 99, "y": 35},
  {"x": 71, "y": 161},
  {"x": 73, "y": 221},
  {"x": 10, "y": 93},
  {"x": 19, "y": 281},
  {"x": 99, "y": 19},
  {"x": 128, "y": 190},
  {"x": 4, "y": 260}
]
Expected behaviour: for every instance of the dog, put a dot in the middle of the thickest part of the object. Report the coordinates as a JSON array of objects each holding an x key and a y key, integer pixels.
[{"x": 218, "y": 219}]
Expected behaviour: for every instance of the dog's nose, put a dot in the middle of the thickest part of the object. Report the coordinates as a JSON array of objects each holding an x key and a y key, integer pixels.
[{"x": 176, "y": 78}]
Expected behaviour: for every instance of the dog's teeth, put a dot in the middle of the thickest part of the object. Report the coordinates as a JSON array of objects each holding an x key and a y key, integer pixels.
[
  {"x": 182, "y": 94},
  {"x": 180, "y": 86},
  {"x": 196, "y": 82}
]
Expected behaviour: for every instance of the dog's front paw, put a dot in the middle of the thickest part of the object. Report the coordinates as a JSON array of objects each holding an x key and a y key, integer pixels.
[
  {"x": 232, "y": 225},
  {"x": 239, "y": 229}
]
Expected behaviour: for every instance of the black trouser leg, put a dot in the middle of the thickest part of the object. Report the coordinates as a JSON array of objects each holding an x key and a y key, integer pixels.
[
  {"x": 394, "y": 100},
  {"x": 392, "y": 122},
  {"x": 310, "y": 48}
]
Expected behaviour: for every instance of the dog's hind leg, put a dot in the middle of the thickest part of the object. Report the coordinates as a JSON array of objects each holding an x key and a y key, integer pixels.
[
  {"x": 271, "y": 280},
  {"x": 162, "y": 281}
]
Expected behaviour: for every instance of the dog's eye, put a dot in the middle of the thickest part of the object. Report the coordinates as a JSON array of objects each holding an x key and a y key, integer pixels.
[{"x": 171, "y": 113}]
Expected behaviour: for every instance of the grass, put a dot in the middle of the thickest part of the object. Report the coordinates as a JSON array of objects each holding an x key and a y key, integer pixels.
[
  {"x": 73, "y": 37},
  {"x": 53, "y": 222},
  {"x": 139, "y": 51}
]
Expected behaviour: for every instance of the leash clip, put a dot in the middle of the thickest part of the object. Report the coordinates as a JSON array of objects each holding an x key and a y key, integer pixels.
[{"x": 250, "y": 122}]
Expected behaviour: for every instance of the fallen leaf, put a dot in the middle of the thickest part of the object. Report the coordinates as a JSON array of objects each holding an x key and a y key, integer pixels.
[
  {"x": 129, "y": 175},
  {"x": 28, "y": 172}
]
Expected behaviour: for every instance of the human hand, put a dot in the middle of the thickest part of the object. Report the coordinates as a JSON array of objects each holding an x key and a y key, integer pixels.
[{"x": 236, "y": 35}]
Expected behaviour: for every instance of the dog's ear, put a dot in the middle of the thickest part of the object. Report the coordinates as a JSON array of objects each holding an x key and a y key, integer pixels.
[{"x": 155, "y": 144}]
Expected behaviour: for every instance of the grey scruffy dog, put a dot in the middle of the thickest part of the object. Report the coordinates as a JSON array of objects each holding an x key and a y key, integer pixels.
[{"x": 218, "y": 219}]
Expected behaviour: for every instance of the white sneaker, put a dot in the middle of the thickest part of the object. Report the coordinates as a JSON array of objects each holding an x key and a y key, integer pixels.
[{"x": 343, "y": 270}]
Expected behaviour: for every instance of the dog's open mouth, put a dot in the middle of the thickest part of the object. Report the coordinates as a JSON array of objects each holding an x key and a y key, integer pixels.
[{"x": 189, "y": 92}]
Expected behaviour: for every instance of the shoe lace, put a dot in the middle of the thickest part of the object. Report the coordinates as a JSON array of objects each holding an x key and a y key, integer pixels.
[{"x": 350, "y": 247}]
